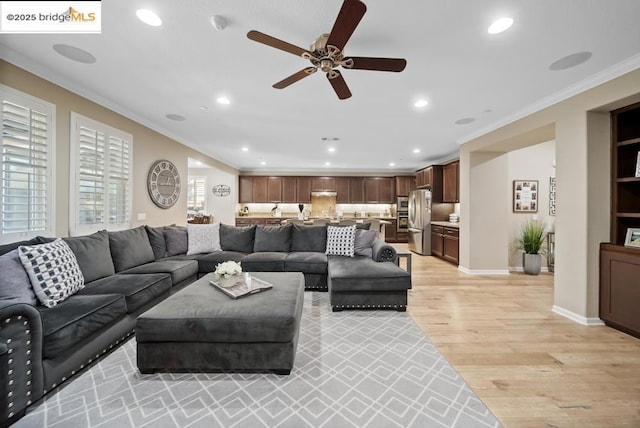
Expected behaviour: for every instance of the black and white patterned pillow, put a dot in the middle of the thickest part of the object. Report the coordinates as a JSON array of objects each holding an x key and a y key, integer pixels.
[
  {"x": 341, "y": 240},
  {"x": 53, "y": 271}
]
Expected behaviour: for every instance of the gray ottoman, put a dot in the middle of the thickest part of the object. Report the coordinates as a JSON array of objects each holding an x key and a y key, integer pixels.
[{"x": 202, "y": 329}]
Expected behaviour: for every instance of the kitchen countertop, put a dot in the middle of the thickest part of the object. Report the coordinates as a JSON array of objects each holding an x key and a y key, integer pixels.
[{"x": 446, "y": 224}]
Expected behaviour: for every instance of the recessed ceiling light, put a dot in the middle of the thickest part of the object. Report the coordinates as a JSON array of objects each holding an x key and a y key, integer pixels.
[
  {"x": 421, "y": 103},
  {"x": 245, "y": 149},
  {"x": 332, "y": 149},
  {"x": 223, "y": 100},
  {"x": 176, "y": 117},
  {"x": 327, "y": 163},
  {"x": 392, "y": 164},
  {"x": 500, "y": 25},
  {"x": 465, "y": 120},
  {"x": 416, "y": 150},
  {"x": 569, "y": 61},
  {"x": 149, "y": 17},
  {"x": 263, "y": 163},
  {"x": 75, "y": 54}
]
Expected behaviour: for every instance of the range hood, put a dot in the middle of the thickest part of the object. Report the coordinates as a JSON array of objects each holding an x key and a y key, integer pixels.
[{"x": 326, "y": 193}]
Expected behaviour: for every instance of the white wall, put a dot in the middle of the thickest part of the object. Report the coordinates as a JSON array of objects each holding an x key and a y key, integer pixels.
[
  {"x": 222, "y": 208},
  {"x": 531, "y": 163}
]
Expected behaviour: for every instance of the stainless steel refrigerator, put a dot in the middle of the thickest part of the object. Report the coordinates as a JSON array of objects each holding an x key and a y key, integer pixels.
[{"x": 420, "y": 221}]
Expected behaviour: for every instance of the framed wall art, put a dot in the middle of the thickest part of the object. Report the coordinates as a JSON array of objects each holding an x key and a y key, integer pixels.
[
  {"x": 633, "y": 238},
  {"x": 525, "y": 196},
  {"x": 552, "y": 196}
]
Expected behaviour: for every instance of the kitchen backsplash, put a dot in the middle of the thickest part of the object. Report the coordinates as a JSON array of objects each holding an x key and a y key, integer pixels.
[{"x": 348, "y": 210}]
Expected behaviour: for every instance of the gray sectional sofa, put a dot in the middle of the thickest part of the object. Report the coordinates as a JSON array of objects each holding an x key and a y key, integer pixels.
[{"x": 127, "y": 272}]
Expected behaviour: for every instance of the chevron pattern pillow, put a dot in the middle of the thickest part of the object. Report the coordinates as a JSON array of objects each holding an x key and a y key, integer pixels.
[{"x": 53, "y": 271}]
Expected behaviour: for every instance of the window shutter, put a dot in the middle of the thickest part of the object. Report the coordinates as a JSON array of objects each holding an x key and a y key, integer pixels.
[
  {"x": 91, "y": 174},
  {"x": 119, "y": 167},
  {"x": 26, "y": 186}
]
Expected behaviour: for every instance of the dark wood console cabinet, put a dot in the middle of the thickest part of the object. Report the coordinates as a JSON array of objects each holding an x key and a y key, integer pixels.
[{"x": 620, "y": 288}]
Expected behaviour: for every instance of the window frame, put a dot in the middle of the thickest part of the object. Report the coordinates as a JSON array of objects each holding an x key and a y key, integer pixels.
[
  {"x": 204, "y": 191},
  {"x": 33, "y": 103},
  {"x": 75, "y": 227}
]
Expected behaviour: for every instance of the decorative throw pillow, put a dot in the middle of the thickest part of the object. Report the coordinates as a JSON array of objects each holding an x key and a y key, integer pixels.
[
  {"x": 341, "y": 240},
  {"x": 203, "y": 238},
  {"x": 14, "y": 281},
  {"x": 157, "y": 241},
  {"x": 53, "y": 271},
  {"x": 364, "y": 242},
  {"x": 272, "y": 238},
  {"x": 234, "y": 238},
  {"x": 177, "y": 239}
]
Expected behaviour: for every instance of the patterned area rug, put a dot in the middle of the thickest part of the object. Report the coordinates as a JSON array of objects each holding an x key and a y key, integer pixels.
[{"x": 352, "y": 369}]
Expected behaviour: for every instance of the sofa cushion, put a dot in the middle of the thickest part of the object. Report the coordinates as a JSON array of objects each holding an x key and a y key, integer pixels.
[
  {"x": 208, "y": 262},
  {"x": 177, "y": 239},
  {"x": 308, "y": 238},
  {"x": 157, "y": 241},
  {"x": 138, "y": 290},
  {"x": 233, "y": 238},
  {"x": 14, "y": 281},
  {"x": 365, "y": 274},
  {"x": 272, "y": 238},
  {"x": 53, "y": 271},
  {"x": 306, "y": 262},
  {"x": 264, "y": 262},
  {"x": 4, "y": 249},
  {"x": 130, "y": 248},
  {"x": 76, "y": 319},
  {"x": 364, "y": 242},
  {"x": 93, "y": 255},
  {"x": 341, "y": 240},
  {"x": 203, "y": 238},
  {"x": 179, "y": 270}
]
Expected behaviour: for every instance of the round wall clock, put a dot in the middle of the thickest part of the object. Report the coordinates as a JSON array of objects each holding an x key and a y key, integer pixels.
[{"x": 163, "y": 183}]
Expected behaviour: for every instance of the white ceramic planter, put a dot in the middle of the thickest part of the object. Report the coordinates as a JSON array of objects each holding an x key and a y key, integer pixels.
[{"x": 532, "y": 263}]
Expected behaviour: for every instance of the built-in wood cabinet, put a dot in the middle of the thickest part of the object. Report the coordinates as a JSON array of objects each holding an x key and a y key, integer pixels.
[
  {"x": 450, "y": 182},
  {"x": 343, "y": 190},
  {"x": 356, "y": 190},
  {"x": 303, "y": 190},
  {"x": 379, "y": 190},
  {"x": 290, "y": 189},
  {"x": 265, "y": 221},
  {"x": 619, "y": 265},
  {"x": 391, "y": 231},
  {"x": 445, "y": 243},
  {"x": 323, "y": 184},
  {"x": 405, "y": 184}
]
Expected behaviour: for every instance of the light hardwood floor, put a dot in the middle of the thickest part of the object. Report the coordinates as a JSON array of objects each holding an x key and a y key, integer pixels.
[{"x": 531, "y": 367}]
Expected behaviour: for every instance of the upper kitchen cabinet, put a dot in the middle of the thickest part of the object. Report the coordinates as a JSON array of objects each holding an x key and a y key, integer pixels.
[
  {"x": 290, "y": 190},
  {"x": 260, "y": 189},
  {"x": 303, "y": 186},
  {"x": 343, "y": 191},
  {"x": 431, "y": 178},
  {"x": 451, "y": 182},
  {"x": 379, "y": 190},
  {"x": 323, "y": 184},
  {"x": 356, "y": 190},
  {"x": 274, "y": 189},
  {"x": 405, "y": 184},
  {"x": 245, "y": 193}
]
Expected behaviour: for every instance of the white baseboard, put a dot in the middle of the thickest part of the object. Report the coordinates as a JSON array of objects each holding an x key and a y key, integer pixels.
[
  {"x": 521, "y": 269},
  {"x": 577, "y": 318},
  {"x": 483, "y": 271}
]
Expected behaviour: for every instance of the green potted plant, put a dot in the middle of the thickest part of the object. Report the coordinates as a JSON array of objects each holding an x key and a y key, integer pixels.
[{"x": 531, "y": 242}]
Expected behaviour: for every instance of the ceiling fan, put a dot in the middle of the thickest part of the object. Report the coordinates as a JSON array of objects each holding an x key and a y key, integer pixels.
[{"x": 327, "y": 51}]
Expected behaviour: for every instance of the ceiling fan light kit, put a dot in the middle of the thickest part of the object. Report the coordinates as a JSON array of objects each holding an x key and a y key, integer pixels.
[{"x": 327, "y": 51}]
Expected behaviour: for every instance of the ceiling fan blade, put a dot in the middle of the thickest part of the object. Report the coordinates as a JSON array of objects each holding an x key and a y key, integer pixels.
[
  {"x": 378, "y": 64},
  {"x": 259, "y": 37},
  {"x": 339, "y": 85},
  {"x": 348, "y": 19},
  {"x": 295, "y": 77}
]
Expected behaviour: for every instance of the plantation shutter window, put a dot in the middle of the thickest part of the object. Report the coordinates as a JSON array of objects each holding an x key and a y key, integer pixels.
[
  {"x": 27, "y": 182},
  {"x": 100, "y": 195},
  {"x": 196, "y": 194}
]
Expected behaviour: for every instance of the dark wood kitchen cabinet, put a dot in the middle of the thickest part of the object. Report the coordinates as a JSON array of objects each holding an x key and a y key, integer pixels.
[
  {"x": 404, "y": 185},
  {"x": 450, "y": 182},
  {"x": 245, "y": 193},
  {"x": 303, "y": 186},
  {"x": 379, "y": 190},
  {"x": 274, "y": 189},
  {"x": 290, "y": 190},
  {"x": 445, "y": 243},
  {"x": 323, "y": 184},
  {"x": 356, "y": 190},
  {"x": 390, "y": 231},
  {"x": 343, "y": 191}
]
